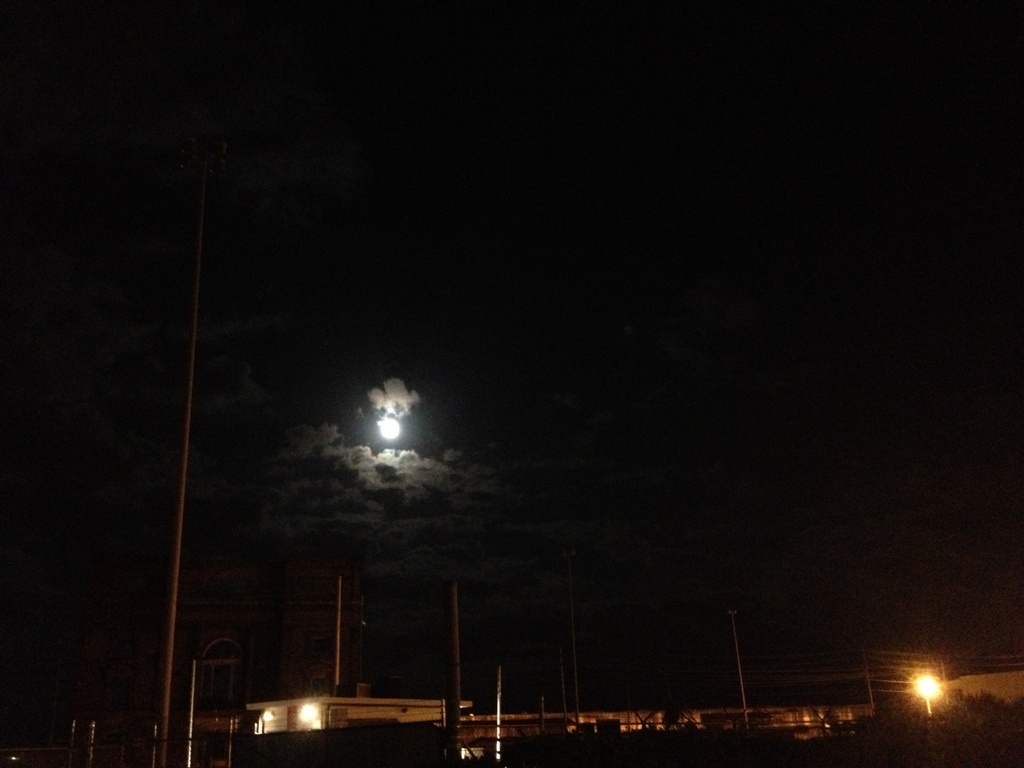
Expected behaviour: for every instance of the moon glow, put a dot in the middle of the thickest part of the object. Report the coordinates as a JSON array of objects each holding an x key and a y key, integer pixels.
[{"x": 389, "y": 428}]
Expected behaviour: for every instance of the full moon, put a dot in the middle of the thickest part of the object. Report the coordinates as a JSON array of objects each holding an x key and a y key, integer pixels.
[{"x": 389, "y": 428}]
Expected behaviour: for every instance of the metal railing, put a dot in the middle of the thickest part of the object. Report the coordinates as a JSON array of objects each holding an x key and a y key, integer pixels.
[{"x": 207, "y": 751}]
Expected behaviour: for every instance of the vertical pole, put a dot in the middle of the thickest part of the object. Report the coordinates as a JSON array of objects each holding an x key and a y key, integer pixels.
[
  {"x": 569, "y": 554},
  {"x": 540, "y": 715},
  {"x": 53, "y": 714},
  {"x": 191, "y": 714},
  {"x": 629, "y": 706},
  {"x": 739, "y": 668},
  {"x": 337, "y": 641},
  {"x": 232, "y": 727},
  {"x": 174, "y": 570},
  {"x": 92, "y": 741},
  {"x": 565, "y": 706},
  {"x": 453, "y": 699},
  {"x": 71, "y": 744},
  {"x": 867, "y": 679},
  {"x": 497, "y": 722},
  {"x": 362, "y": 629}
]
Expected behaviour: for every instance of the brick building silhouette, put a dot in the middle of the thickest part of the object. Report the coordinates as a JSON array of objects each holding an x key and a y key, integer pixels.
[{"x": 250, "y": 630}]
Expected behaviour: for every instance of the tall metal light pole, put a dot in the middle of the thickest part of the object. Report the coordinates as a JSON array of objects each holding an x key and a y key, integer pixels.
[
  {"x": 569, "y": 554},
  {"x": 739, "y": 668},
  {"x": 203, "y": 156}
]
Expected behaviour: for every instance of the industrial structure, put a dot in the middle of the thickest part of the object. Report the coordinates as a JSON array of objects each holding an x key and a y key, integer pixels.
[{"x": 246, "y": 631}]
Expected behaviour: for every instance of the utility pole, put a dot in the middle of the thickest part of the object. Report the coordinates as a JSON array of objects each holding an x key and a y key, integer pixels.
[
  {"x": 205, "y": 157},
  {"x": 337, "y": 639},
  {"x": 569, "y": 554},
  {"x": 565, "y": 706},
  {"x": 453, "y": 688},
  {"x": 739, "y": 668}
]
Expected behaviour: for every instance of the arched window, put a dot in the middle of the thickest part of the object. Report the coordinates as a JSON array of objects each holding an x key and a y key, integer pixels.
[{"x": 221, "y": 679}]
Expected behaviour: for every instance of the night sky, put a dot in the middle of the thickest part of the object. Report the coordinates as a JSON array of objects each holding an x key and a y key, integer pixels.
[{"x": 726, "y": 300}]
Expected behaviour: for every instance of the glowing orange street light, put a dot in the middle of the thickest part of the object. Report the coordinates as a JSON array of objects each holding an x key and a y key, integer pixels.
[{"x": 927, "y": 688}]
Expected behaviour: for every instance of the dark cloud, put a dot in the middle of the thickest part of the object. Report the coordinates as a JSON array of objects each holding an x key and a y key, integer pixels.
[
  {"x": 362, "y": 475},
  {"x": 228, "y": 386}
]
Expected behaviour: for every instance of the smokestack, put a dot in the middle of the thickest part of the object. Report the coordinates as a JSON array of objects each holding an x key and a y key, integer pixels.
[{"x": 453, "y": 698}]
